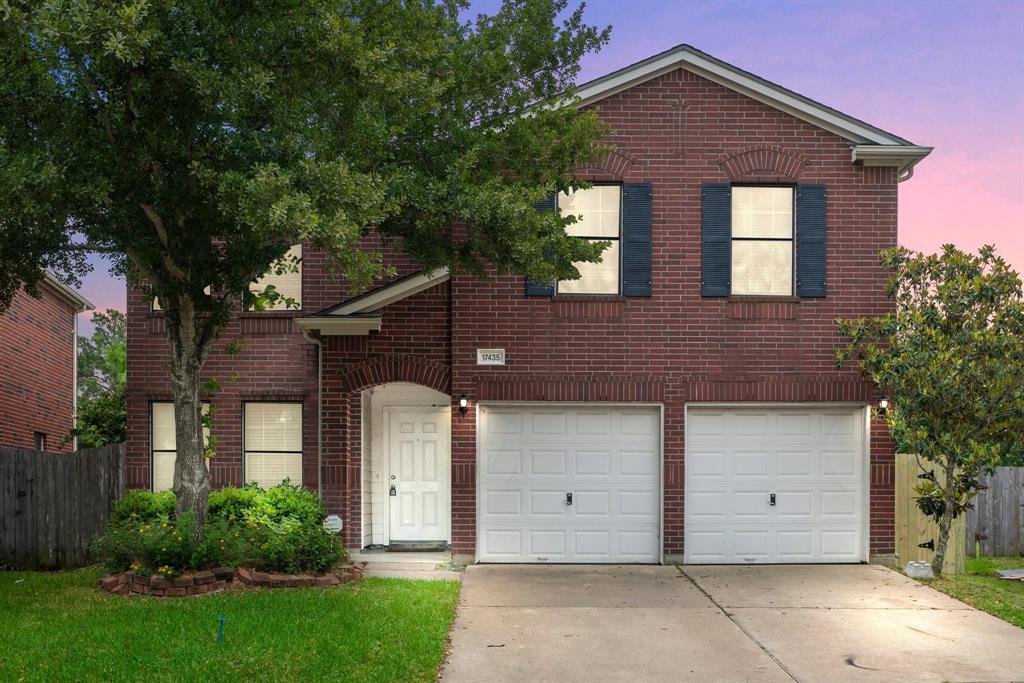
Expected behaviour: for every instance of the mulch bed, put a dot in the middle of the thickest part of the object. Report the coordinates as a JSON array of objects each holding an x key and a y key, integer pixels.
[{"x": 223, "y": 578}]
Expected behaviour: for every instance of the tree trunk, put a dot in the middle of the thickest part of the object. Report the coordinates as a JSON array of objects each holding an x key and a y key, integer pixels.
[
  {"x": 191, "y": 477},
  {"x": 946, "y": 521}
]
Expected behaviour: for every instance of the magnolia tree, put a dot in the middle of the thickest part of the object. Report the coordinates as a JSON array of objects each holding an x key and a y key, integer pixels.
[
  {"x": 951, "y": 358},
  {"x": 195, "y": 142}
]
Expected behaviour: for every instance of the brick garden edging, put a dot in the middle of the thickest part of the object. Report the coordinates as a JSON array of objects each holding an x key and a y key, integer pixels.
[{"x": 223, "y": 578}]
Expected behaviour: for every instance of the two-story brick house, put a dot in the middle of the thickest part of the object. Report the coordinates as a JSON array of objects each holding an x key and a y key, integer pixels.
[
  {"x": 678, "y": 402},
  {"x": 39, "y": 367}
]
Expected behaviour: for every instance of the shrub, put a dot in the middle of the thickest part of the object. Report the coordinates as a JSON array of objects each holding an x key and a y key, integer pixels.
[
  {"x": 153, "y": 546},
  {"x": 277, "y": 529},
  {"x": 143, "y": 506},
  {"x": 293, "y": 547},
  {"x": 276, "y": 504}
]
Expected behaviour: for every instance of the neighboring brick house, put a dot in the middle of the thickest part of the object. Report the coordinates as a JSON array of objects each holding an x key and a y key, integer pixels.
[
  {"x": 679, "y": 402},
  {"x": 39, "y": 367}
]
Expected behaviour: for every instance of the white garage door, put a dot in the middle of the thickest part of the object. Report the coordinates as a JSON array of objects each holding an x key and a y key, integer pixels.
[
  {"x": 775, "y": 485},
  {"x": 533, "y": 458}
]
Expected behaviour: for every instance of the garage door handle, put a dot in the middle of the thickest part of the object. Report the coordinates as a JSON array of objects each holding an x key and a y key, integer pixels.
[
  {"x": 771, "y": 500},
  {"x": 568, "y": 499}
]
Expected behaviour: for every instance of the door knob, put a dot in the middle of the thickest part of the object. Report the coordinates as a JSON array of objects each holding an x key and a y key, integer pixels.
[
  {"x": 568, "y": 499},
  {"x": 771, "y": 500},
  {"x": 393, "y": 491}
]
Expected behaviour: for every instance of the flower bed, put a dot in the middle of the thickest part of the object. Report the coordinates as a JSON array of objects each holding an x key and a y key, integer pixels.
[
  {"x": 222, "y": 578},
  {"x": 269, "y": 532}
]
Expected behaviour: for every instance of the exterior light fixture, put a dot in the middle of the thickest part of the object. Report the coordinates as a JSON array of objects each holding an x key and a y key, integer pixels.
[
  {"x": 883, "y": 405},
  {"x": 463, "y": 404}
]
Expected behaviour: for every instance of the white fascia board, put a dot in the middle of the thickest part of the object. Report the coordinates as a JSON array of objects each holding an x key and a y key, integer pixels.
[
  {"x": 742, "y": 83},
  {"x": 327, "y": 326},
  {"x": 63, "y": 291},
  {"x": 389, "y": 294}
]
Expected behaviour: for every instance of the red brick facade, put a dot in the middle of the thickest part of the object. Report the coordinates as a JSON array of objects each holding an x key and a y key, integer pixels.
[
  {"x": 676, "y": 132},
  {"x": 37, "y": 370}
]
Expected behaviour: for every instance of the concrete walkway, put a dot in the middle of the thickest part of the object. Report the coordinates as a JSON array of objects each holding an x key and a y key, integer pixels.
[{"x": 771, "y": 623}]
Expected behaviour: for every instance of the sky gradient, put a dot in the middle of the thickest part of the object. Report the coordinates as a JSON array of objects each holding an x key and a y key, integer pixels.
[{"x": 943, "y": 74}]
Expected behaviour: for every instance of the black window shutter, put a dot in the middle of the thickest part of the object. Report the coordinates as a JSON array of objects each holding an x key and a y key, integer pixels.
[
  {"x": 810, "y": 240},
  {"x": 715, "y": 239},
  {"x": 543, "y": 288},
  {"x": 636, "y": 239}
]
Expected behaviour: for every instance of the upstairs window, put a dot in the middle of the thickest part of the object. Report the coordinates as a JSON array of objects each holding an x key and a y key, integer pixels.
[
  {"x": 287, "y": 282},
  {"x": 598, "y": 212},
  {"x": 762, "y": 241}
]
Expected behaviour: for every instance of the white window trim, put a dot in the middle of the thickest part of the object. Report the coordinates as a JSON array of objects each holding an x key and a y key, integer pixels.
[
  {"x": 205, "y": 407},
  {"x": 791, "y": 239},
  {"x": 618, "y": 239},
  {"x": 302, "y": 438}
]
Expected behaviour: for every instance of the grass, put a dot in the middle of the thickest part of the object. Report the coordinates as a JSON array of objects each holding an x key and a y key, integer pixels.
[
  {"x": 61, "y": 627},
  {"x": 981, "y": 588}
]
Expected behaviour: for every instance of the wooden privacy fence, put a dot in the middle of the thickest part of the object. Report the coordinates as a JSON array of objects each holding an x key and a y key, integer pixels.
[
  {"x": 52, "y": 505},
  {"x": 913, "y": 528},
  {"x": 998, "y": 513}
]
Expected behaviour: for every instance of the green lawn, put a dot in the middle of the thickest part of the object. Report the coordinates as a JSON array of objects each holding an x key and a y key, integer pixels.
[
  {"x": 61, "y": 627},
  {"x": 981, "y": 588}
]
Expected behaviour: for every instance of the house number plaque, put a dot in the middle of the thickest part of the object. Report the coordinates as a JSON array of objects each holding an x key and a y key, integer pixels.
[{"x": 490, "y": 356}]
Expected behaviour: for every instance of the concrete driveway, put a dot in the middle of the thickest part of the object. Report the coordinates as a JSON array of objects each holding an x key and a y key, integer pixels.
[{"x": 769, "y": 623}]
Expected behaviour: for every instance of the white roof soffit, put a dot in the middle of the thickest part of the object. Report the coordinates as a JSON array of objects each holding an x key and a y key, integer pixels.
[
  {"x": 904, "y": 157},
  {"x": 328, "y": 326},
  {"x": 736, "y": 79},
  {"x": 378, "y": 298}
]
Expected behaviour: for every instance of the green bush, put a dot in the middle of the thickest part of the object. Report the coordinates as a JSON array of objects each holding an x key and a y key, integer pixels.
[
  {"x": 278, "y": 529},
  {"x": 143, "y": 506},
  {"x": 276, "y": 504}
]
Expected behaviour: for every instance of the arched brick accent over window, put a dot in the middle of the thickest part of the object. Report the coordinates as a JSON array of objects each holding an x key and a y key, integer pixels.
[
  {"x": 764, "y": 162},
  {"x": 615, "y": 165},
  {"x": 397, "y": 368}
]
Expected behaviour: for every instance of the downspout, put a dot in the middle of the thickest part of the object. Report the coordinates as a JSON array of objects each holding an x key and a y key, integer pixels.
[
  {"x": 316, "y": 341},
  {"x": 74, "y": 380}
]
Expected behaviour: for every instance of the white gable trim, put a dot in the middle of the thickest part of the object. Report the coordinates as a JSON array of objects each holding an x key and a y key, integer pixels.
[
  {"x": 377, "y": 299},
  {"x": 904, "y": 158},
  {"x": 740, "y": 81}
]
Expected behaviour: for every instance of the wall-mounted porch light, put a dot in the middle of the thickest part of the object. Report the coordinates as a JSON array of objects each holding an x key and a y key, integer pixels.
[
  {"x": 883, "y": 406},
  {"x": 463, "y": 404}
]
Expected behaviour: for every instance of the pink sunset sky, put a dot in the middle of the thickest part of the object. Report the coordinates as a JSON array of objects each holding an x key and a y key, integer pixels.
[{"x": 943, "y": 74}]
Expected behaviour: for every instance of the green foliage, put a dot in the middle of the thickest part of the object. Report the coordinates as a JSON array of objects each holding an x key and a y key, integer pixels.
[
  {"x": 951, "y": 358},
  {"x": 102, "y": 382},
  {"x": 142, "y": 506},
  {"x": 277, "y": 529},
  {"x": 276, "y": 504},
  {"x": 195, "y": 142}
]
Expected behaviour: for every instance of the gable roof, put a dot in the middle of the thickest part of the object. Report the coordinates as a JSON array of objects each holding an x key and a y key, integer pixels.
[
  {"x": 360, "y": 315},
  {"x": 864, "y": 135}
]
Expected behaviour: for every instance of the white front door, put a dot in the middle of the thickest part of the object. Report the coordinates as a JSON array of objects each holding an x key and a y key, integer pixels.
[
  {"x": 564, "y": 483},
  {"x": 419, "y": 481},
  {"x": 775, "y": 485}
]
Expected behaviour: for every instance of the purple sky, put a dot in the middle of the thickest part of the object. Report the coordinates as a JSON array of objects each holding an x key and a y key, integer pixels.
[{"x": 944, "y": 74}]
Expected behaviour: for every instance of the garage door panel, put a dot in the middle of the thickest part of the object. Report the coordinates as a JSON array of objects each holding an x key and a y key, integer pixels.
[
  {"x": 498, "y": 503},
  {"x": 812, "y": 459},
  {"x": 502, "y": 462},
  {"x": 547, "y": 463},
  {"x": 609, "y": 459}
]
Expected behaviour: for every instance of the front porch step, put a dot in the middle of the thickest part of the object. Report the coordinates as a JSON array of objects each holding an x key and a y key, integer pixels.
[{"x": 406, "y": 565}]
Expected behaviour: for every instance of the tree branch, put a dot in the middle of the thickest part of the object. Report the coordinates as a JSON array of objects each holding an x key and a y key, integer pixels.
[{"x": 161, "y": 232}]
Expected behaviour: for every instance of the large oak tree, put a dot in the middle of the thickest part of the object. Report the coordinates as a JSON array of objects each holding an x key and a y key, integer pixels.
[{"x": 196, "y": 141}]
